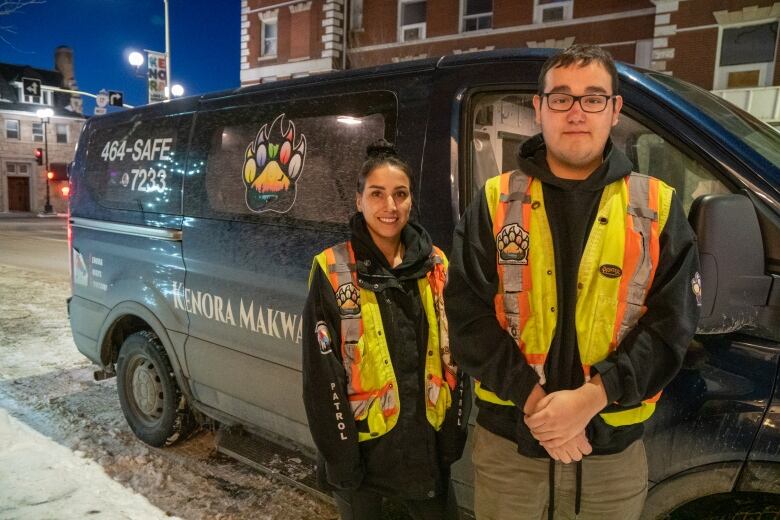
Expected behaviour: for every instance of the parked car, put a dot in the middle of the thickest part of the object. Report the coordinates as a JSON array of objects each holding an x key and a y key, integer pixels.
[{"x": 194, "y": 222}]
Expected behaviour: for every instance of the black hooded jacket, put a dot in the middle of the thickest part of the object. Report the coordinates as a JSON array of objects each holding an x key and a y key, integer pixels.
[
  {"x": 412, "y": 460},
  {"x": 645, "y": 361}
]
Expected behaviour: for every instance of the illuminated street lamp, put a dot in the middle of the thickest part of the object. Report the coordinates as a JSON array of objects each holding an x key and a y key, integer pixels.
[
  {"x": 136, "y": 59},
  {"x": 45, "y": 114},
  {"x": 177, "y": 90}
]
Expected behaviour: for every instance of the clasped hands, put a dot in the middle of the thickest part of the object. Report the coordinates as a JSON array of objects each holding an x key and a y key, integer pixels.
[{"x": 558, "y": 420}]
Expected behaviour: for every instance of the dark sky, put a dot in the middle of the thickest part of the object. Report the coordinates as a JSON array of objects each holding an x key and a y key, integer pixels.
[{"x": 205, "y": 42}]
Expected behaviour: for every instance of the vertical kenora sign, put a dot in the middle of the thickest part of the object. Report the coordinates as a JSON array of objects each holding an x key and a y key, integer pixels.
[{"x": 158, "y": 76}]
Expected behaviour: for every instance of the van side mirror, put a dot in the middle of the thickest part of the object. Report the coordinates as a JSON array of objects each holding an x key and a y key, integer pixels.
[{"x": 734, "y": 284}]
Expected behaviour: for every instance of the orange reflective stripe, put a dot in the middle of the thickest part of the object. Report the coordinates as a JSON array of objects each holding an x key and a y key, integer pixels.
[
  {"x": 535, "y": 359},
  {"x": 653, "y": 399},
  {"x": 388, "y": 406},
  {"x": 632, "y": 254},
  {"x": 523, "y": 297},
  {"x": 498, "y": 223}
]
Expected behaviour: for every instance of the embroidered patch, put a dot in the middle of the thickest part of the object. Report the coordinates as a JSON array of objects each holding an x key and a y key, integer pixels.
[
  {"x": 512, "y": 245},
  {"x": 348, "y": 300},
  {"x": 696, "y": 286},
  {"x": 273, "y": 163},
  {"x": 323, "y": 338},
  {"x": 610, "y": 271}
]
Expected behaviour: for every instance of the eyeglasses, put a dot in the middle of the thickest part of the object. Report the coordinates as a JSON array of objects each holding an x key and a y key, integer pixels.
[{"x": 592, "y": 103}]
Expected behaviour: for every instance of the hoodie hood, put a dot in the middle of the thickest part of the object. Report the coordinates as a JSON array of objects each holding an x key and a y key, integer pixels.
[
  {"x": 533, "y": 161},
  {"x": 417, "y": 243}
]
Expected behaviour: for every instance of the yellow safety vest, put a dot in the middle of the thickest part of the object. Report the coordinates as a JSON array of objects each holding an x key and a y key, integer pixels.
[
  {"x": 371, "y": 383},
  {"x": 615, "y": 272}
]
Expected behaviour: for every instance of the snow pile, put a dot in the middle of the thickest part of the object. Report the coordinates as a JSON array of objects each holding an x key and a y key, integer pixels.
[
  {"x": 91, "y": 465},
  {"x": 41, "y": 479}
]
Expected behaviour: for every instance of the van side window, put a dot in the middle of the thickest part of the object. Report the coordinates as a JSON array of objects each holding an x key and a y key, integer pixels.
[
  {"x": 653, "y": 155},
  {"x": 297, "y": 160},
  {"x": 138, "y": 166},
  {"x": 502, "y": 122}
]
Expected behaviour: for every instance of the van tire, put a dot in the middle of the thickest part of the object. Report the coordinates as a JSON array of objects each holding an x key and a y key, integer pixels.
[{"x": 150, "y": 398}]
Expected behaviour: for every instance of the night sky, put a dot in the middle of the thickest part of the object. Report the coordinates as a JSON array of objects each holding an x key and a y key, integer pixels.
[{"x": 205, "y": 42}]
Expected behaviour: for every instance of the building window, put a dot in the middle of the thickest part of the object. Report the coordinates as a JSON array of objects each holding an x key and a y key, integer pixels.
[
  {"x": 62, "y": 132},
  {"x": 268, "y": 37},
  {"x": 546, "y": 11},
  {"x": 12, "y": 129},
  {"x": 37, "y": 132},
  {"x": 477, "y": 15},
  {"x": 412, "y": 16},
  {"x": 356, "y": 15},
  {"x": 746, "y": 56}
]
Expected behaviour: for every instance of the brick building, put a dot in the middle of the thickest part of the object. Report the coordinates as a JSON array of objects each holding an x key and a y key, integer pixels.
[
  {"x": 716, "y": 44},
  {"x": 22, "y": 180}
]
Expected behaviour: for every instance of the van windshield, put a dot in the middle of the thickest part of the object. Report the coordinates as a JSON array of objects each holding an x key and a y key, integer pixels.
[{"x": 752, "y": 132}]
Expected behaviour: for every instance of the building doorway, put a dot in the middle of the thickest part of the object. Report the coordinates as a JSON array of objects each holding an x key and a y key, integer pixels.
[{"x": 18, "y": 193}]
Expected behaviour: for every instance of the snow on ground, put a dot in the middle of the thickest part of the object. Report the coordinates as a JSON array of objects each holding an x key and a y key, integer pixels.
[
  {"x": 48, "y": 385},
  {"x": 42, "y": 479}
]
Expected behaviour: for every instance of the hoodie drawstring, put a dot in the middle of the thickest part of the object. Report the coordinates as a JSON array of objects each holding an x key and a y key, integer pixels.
[
  {"x": 551, "y": 506},
  {"x": 577, "y": 495}
]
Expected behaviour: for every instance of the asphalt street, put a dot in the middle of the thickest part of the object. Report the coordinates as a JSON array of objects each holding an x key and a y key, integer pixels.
[{"x": 34, "y": 243}]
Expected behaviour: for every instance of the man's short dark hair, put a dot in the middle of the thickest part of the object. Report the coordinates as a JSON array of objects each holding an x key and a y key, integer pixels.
[{"x": 582, "y": 56}]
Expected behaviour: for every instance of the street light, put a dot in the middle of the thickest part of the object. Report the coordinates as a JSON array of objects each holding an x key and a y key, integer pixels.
[
  {"x": 136, "y": 59},
  {"x": 177, "y": 90},
  {"x": 45, "y": 114}
]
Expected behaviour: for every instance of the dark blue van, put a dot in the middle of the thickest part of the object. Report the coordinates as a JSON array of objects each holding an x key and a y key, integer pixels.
[{"x": 189, "y": 280}]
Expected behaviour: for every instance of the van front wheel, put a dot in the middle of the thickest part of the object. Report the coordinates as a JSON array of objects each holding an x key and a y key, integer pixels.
[{"x": 150, "y": 398}]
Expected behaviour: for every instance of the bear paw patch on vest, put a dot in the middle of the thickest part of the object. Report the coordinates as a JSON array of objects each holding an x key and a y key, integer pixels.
[
  {"x": 348, "y": 299},
  {"x": 512, "y": 245}
]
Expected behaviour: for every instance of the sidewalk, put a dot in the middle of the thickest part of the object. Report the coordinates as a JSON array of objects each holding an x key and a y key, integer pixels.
[
  {"x": 25, "y": 215},
  {"x": 42, "y": 479}
]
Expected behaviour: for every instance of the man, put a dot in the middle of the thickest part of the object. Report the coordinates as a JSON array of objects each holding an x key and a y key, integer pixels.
[{"x": 570, "y": 302}]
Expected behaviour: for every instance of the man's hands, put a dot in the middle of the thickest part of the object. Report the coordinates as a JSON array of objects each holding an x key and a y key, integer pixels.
[
  {"x": 558, "y": 420},
  {"x": 572, "y": 450}
]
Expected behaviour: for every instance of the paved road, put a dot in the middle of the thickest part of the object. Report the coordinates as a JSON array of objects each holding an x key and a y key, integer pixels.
[{"x": 39, "y": 244}]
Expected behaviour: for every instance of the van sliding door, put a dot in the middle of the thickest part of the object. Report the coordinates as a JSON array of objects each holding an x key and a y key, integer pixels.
[{"x": 270, "y": 184}]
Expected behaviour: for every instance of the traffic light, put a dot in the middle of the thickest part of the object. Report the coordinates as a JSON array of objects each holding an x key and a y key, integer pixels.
[
  {"x": 57, "y": 172},
  {"x": 39, "y": 155}
]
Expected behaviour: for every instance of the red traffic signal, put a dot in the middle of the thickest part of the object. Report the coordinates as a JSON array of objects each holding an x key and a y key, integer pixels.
[{"x": 39, "y": 155}]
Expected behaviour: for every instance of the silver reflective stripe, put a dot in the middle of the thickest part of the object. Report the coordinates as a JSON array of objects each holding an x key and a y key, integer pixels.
[
  {"x": 513, "y": 273},
  {"x": 643, "y": 218},
  {"x": 350, "y": 324},
  {"x": 127, "y": 229}
]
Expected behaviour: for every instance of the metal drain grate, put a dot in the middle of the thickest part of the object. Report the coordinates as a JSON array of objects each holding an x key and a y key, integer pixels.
[{"x": 274, "y": 460}]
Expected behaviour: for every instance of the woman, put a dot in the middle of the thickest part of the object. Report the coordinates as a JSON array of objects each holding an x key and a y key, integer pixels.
[{"x": 385, "y": 404}]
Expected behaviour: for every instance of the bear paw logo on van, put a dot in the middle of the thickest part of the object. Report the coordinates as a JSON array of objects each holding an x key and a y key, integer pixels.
[
  {"x": 272, "y": 165},
  {"x": 512, "y": 245}
]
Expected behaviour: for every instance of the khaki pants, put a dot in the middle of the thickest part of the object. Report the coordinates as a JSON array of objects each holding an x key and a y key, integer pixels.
[{"x": 508, "y": 485}]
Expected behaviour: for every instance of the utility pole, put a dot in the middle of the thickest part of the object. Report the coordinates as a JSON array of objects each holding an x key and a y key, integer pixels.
[
  {"x": 45, "y": 114},
  {"x": 168, "y": 52}
]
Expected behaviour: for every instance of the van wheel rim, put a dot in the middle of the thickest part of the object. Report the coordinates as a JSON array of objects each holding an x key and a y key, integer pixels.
[{"x": 147, "y": 390}]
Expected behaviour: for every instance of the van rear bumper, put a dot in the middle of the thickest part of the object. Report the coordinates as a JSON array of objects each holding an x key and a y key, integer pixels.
[{"x": 86, "y": 320}]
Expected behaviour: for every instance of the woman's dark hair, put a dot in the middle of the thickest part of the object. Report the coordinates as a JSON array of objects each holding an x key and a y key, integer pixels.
[{"x": 380, "y": 153}]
